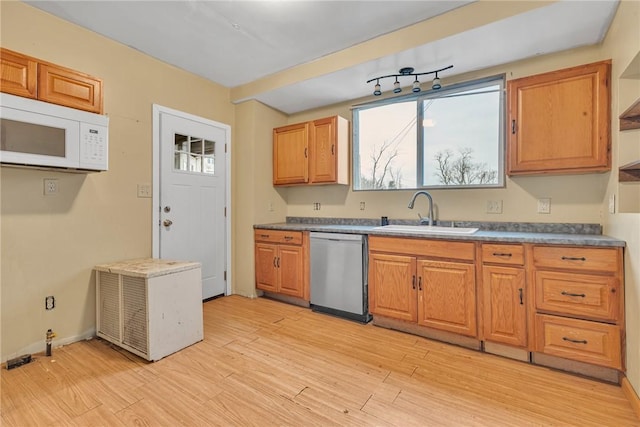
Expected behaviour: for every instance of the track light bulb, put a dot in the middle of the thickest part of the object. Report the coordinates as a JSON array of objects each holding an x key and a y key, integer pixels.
[
  {"x": 436, "y": 83},
  {"x": 396, "y": 87},
  {"x": 416, "y": 85},
  {"x": 377, "y": 91}
]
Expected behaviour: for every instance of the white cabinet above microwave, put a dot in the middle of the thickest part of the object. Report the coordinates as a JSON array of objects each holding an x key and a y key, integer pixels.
[{"x": 36, "y": 133}]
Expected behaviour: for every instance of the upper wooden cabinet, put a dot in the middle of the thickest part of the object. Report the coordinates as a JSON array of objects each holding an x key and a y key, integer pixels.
[
  {"x": 291, "y": 154},
  {"x": 29, "y": 77},
  {"x": 559, "y": 122},
  {"x": 315, "y": 152},
  {"x": 18, "y": 74}
]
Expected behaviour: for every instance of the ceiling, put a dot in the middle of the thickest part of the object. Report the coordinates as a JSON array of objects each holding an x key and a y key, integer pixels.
[{"x": 236, "y": 43}]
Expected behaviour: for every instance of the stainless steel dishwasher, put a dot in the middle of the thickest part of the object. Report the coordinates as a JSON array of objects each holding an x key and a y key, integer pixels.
[{"x": 339, "y": 275}]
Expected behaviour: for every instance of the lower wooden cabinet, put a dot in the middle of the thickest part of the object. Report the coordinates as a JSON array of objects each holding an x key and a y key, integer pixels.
[
  {"x": 579, "y": 306},
  {"x": 280, "y": 262},
  {"x": 409, "y": 286},
  {"x": 392, "y": 286},
  {"x": 447, "y": 296},
  {"x": 551, "y": 300},
  {"x": 505, "y": 313},
  {"x": 585, "y": 341}
]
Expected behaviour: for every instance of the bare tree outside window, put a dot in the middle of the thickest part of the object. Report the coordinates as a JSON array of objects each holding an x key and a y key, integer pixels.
[
  {"x": 383, "y": 173},
  {"x": 460, "y": 169}
]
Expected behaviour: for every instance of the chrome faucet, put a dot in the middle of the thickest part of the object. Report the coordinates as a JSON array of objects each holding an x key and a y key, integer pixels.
[{"x": 423, "y": 220}]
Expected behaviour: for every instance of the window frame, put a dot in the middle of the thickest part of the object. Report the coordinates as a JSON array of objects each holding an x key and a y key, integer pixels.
[{"x": 419, "y": 98}]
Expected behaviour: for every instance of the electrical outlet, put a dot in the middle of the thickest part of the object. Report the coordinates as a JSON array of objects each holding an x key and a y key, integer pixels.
[
  {"x": 49, "y": 303},
  {"x": 361, "y": 206},
  {"x": 544, "y": 206},
  {"x": 50, "y": 187},
  {"x": 144, "y": 191},
  {"x": 494, "y": 206},
  {"x": 270, "y": 206},
  {"x": 612, "y": 203},
  {"x": 316, "y": 206}
]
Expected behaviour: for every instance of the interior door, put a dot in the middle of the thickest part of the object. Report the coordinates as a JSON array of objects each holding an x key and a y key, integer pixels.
[{"x": 192, "y": 197}]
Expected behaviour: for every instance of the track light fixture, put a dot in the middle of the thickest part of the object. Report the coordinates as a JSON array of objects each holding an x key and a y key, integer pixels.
[{"x": 408, "y": 71}]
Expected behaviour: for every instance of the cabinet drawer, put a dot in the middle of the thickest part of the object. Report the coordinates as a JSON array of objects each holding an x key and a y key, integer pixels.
[
  {"x": 593, "y": 259},
  {"x": 503, "y": 254},
  {"x": 278, "y": 236},
  {"x": 581, "y": 340},
  {"x": 423, "y": 247},
  {"x": 577, "y": 294}
]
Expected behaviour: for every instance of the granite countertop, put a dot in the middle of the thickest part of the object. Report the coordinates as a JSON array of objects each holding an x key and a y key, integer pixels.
[
  {"x": 579, "y": 238},
  {"x": 147, "y": 267}
]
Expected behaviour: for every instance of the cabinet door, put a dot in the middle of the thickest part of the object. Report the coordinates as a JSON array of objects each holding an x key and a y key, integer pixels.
[
  {"x": 70, "y": 88},
  {"x": 291, "y": 154},
  {"x": 18, "y": 74},
  {"x": 392, "y": 286},
  {"x": 290, "y": 270},
  {"x": 447, "y": 296},
  {"x": 323, "y": 151},
  {"x": 266, "y": 267},
  {"x": 559, "y": 121},
  {"x": 505, "y": 314}
]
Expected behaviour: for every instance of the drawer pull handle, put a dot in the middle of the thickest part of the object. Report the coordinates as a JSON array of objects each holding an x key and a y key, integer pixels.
[
  {"x": 574, "y": 341},
  {"x": 420, "y": 283},
  {"x": 288, "y": 237},
  {"x": 264, "y": 236},
  {"x": 274, "y": 262},
  {"x": 502, "y": 254},
  {"x": 569, "y": 294},
  {"x": 521, "y": 296},
  {"x": 413, "y": 282},
  {"x": 571, "y": 258},
  {"x": 278, "y": 262}
]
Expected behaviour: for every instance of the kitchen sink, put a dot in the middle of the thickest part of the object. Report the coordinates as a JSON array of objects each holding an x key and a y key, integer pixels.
[{"x": 425, "y": 229}]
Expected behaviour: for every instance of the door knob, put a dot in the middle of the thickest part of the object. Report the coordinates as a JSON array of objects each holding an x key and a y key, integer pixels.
[
  {"x": 167, "y": 222},
  {"x": 167, "y": 209}
]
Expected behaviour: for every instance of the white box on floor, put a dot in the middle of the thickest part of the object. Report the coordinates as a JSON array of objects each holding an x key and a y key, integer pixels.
[{"x": 150, "y": 307}]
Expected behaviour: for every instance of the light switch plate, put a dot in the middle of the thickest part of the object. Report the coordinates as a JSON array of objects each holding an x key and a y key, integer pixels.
[
  {"x": 612, "y": 203},
  {"x": 144, "y": 190}
]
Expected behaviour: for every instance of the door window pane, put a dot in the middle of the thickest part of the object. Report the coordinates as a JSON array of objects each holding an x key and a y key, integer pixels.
[{"x": 194, "y": 154}]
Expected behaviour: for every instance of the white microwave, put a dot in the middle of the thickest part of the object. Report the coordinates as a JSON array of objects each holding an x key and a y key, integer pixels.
[{"x": 38, "y": 134}]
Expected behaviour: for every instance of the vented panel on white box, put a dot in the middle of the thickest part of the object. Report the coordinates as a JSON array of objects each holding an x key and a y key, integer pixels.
[
  {"x": 134, "y": 313},
  {"x": 109, "y": 305}
]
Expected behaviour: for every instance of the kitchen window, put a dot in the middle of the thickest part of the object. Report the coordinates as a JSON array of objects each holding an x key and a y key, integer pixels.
[{"x": 449, "y": 138}]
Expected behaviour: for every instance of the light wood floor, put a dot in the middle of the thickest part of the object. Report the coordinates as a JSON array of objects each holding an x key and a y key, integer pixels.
[{"x": 266, "y": 363}]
